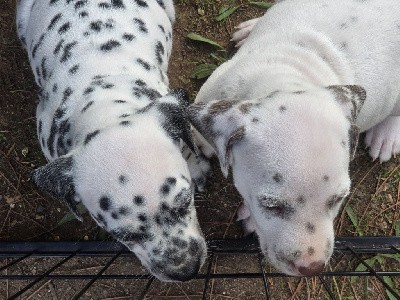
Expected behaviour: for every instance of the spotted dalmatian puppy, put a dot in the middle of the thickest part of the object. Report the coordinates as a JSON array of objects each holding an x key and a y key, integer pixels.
[
  {"x": 285, "y": 112},
  {"x": 109, "y": 126}
]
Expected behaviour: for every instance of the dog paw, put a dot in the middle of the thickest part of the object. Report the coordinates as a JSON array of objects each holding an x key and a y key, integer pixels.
[
  {"x": 244, "y": 216},
  {"x": 383, "y": 140},
  {"x": 242, "y": 32},
  {"x": 199, "y": 168}
]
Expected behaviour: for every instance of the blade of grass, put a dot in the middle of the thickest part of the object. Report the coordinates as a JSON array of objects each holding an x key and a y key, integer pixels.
[
  {"x": 225, "y": 13},
  {"x": 354, "y": 220},
  {"x": 199, "y": 38},
  {"x": 203, "y": 71}
]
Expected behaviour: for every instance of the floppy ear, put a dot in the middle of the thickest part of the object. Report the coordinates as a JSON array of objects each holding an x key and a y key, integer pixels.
[
  {"x": 351, "y": 98},
  {"x": 56, "y": 179},
  {"x": 176, "y": 121},
  {"x": 222, "y": 124}
]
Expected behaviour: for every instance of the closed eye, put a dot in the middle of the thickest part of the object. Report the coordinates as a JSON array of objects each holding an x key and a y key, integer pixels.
[{"x": 276, "y": 207}]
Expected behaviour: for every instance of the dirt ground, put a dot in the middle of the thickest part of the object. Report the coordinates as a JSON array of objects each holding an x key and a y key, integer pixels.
[{"x": 29, "y": 215}]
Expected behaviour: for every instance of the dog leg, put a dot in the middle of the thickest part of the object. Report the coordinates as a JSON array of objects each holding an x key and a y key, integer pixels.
[
  {"x": 242, "y": 31},
  {"x": 383, "y": 140}
]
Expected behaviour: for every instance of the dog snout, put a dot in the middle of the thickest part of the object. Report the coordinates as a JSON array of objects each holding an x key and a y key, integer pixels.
[
  {"x": 189, "y": 271},
  {"x": 312, "y": 269}
]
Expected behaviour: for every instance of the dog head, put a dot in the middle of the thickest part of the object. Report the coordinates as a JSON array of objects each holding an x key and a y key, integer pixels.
[
  {"x": 290, "y": 154},
  {"x": 135, "y": 183}
]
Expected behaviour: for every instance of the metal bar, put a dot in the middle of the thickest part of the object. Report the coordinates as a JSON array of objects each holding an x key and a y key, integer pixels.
[
  {"x": 208, "y": 275},
  {"x": 375, "y": 274},
  {"x": 15, "y": 261},
  {"x": 264, "y": 276},
  {"x": 146, "y": 289},
  {"x": 327, "y": 288},
  {"x": 41, "y": 277},
  {"x": 89, "y": 284}
]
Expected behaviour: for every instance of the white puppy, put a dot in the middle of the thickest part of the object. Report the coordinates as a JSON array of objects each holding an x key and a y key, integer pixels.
[{"x": 285, "y": 112}]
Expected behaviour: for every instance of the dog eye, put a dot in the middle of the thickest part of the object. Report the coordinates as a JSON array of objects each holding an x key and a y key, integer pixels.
[{"x": 276, "y": 207}]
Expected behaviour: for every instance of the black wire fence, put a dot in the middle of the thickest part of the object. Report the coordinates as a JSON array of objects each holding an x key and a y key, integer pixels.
[{"x": 24, "y": 266}]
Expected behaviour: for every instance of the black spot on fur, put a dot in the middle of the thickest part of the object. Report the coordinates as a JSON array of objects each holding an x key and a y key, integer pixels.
[
  {"x": 125, "y": 123},
  {"x": 138, "y": 200},
  {"x": 73, "y": 69},
  {"x": 55, "y": 88},
  {"x": 64, "y": 28},
  {"x": 43, "y": 68},
  {"x": 89, "y": 104},
  {"x": 88, "y": 91},
  {"x": 141, "y": 3},
  {"x": 123, "y": 179},
  {"x": 301, "y": 200},
  {"x": 159, "y": 52},
  {"x": 128, "y": 37},
  {"x": 310, "y": 251},
  {"x": 81, "y": 3},
  {"x": 104, "y": 5},
  {"x": 127, "y": 235},
  {"x": 67, "y": 51},
  {"x": 117, "y": 4},
  {"x": 282, "y": 108},
  {"x": 171, "y": 181},
  {"x": 54, "y": 21},
  {"x": 144, "y": 64},
  {"x": 165, "y": 189},
  {"x": 96, "y": 26},
  {"x": 58, "y": 47},
  {"x": 110, "y": 45},
  {"x": 278, "y": 178},
  {"x": 298, "y": 92},
  {"x": 326, "y": 178},
  {"x": 142, "y": 217},
  {"x": 124, "y": 115},
  {"x": 115, "y": 215},
  {"x": 161, "y": 3},
  {"x": 105, "y": 203},
  {"x": 100, "y": 218},
  {"x": 310, "y": 228},
  {"x": 124, "y": 210},
  {"x": 37, "y": 45},
  {"x": 83, "y": 14},
  {"x": 107, "y": 86},
  {"x": 90, "y": 136},
  {"x": 141, "y": 25},
  {"x": 161, "y": 28},
  {"x": 119, "y": 101}
]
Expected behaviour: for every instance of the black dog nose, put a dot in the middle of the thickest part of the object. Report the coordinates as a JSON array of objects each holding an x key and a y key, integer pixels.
[{"x": 313, "y": 269}]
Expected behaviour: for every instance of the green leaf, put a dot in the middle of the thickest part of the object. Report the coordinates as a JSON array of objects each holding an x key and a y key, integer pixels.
[
  {"x": 203, "y": 71},
  {"x": 199, "y": 38},
  {"x": 354, "y": 220},
  {"x": 70, "y": 216},
  {"x": 218, "y": 58},
  {"x": 390, "y": 283},
  {"x": 262, "y": 4},
  {"x": 226, "y": 13}
]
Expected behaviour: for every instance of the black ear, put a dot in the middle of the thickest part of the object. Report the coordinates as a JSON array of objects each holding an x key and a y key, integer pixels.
[
  {"x": 56, "y": 179},
  {"x": 351, "y": 99},
  {"x": 176, "y": 122}
]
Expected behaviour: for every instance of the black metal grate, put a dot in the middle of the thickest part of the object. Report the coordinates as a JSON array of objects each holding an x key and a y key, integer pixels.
[{"x": 13, "y": 254}]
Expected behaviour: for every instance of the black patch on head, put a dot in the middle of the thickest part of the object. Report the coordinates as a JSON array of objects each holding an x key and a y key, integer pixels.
[
  {"x": 141, "y": 3},
  {"x": 110, "y": 45},
  {"x": 159, "y": 52},
  {"x": 141, "y": 25},
  {"x": 139, "y": 200},
  {"x": 89, "y": 104},
  {"x": 67, "y": 51},
  {"x": 64, "y": 28},
  {"x": 105, "y": 203},
  {"x": 144, "y": 64},
  {"x": 310, "y": 227},
  {"x": 123, "y": 179},
  {"x": 90, "y": 136},
  {"x": 73, "y": 69},
  {"x": 54, "y": 21},
  {"x": 128, "y": 37},
  {"x": 278, "y": 178},
  {"x": 165, "y": 189}
]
